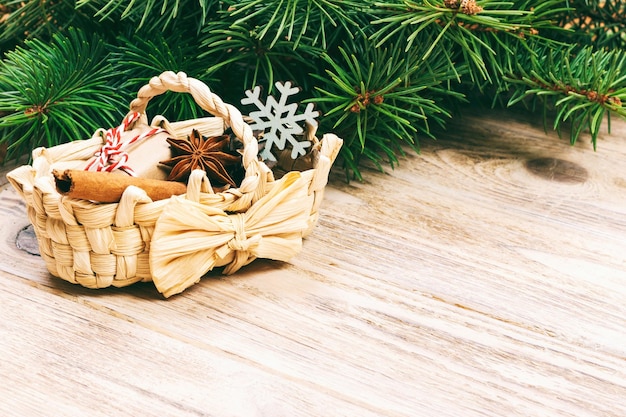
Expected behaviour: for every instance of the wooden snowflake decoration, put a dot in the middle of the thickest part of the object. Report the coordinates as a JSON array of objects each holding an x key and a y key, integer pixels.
[{"x": 279, "y": 122}]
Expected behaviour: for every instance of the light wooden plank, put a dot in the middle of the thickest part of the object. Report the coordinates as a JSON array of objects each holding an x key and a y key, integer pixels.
[
  {"x": 64, "y": 351},
  {"x": 464, "y": 282},
  {"x": 68, "y": 357}
]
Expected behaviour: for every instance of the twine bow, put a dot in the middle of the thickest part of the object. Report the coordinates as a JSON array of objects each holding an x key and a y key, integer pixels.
[
  {"x": 113, "y": 153},
  {"x": 190, "y": 238}
]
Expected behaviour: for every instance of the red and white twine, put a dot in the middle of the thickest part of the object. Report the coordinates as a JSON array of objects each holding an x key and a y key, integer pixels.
[{"x": 113, "y": 153}]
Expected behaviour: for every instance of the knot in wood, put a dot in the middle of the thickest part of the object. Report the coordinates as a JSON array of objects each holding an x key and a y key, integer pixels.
[{"x": 554, "y": 169}]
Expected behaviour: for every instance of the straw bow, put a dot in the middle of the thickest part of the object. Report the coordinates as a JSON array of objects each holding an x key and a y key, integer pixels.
[{"x": 190, "y": 238}]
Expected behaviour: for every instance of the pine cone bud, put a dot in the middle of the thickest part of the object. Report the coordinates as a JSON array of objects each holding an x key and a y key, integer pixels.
[{"x": 470, "y": 7}]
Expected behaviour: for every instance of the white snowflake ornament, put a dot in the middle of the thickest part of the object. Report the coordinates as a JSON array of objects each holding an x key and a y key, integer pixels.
[{"x": 279, "y": 121}]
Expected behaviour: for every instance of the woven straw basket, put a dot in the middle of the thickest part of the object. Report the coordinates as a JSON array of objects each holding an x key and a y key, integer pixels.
[{"x": 172, "y": 242}]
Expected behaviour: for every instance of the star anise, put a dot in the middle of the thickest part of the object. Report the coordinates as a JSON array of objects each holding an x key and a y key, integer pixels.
[{"x": 211, "y": 154}]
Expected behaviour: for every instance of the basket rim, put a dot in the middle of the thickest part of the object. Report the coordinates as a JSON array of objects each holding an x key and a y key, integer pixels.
[{"x": 257, "y": 173}]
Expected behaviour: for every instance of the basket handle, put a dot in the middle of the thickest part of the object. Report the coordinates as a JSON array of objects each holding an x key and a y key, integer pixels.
[{"x": 252, "y": 186}]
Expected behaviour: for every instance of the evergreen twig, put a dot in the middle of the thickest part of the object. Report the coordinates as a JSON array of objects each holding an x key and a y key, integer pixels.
[
  {"x": 381, "y": 71},
  {"x": 579, "y": 85},
  {"x": 58, "y": 92},
  {"x": 380, "y": 99}
]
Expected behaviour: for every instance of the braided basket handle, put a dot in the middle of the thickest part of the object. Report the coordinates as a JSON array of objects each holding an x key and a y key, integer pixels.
[{"x": 254, "y": 180}]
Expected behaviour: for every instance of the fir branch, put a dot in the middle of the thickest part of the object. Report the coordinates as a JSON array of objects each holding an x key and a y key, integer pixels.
[
  {"x": 138, "y": 58},
  {"x": 439, "y": 50},
  {"x": 321, "y": 21},
  {"x": 598, "y": 23},
  {"x": 157, "y": 13},
  {"x": 480, "y": 29},
  {"x": 580, "y": 85},
  {"x": 36, "y": 19},
  {"x": 238, "y": 53},
  {"x": 378, "y": 102},
  {"x": 57, "y": 92}
]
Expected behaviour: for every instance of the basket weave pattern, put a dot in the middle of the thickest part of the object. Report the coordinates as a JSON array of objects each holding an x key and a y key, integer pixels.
[{"x": 172, "y": 242}]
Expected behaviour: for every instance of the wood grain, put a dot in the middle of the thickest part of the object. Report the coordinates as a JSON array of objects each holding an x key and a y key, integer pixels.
[{"x": 484, "y": 277}]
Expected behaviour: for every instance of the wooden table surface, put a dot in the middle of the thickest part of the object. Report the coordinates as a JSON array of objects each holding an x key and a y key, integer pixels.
[{"x": 484, "y": 277}]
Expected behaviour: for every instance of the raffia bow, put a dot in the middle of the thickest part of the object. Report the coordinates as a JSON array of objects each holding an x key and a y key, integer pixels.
[{"x": 271, "y": 228}]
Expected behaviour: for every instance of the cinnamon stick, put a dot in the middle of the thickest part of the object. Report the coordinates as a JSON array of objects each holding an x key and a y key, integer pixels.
[{"x": 105, "y": 187}]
